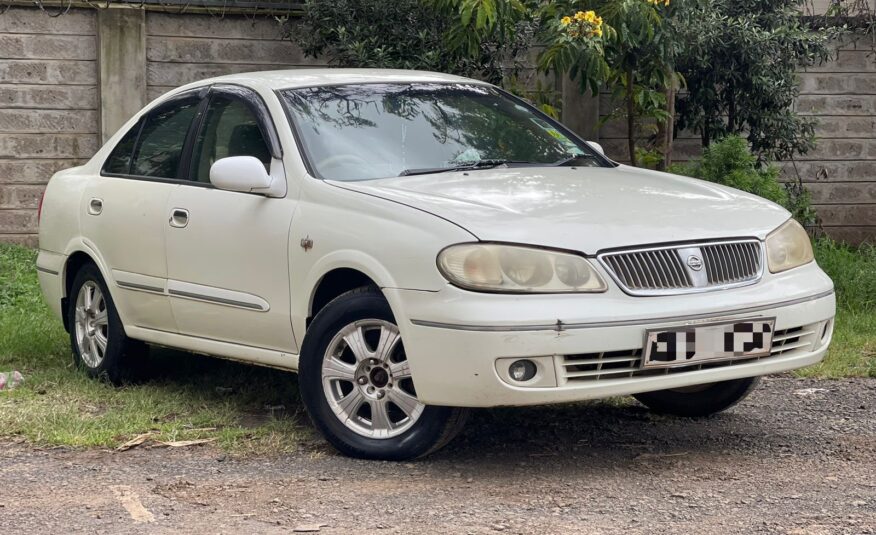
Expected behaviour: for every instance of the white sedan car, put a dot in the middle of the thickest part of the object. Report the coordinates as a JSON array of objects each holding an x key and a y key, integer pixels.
[{"x": 415, "y": 244}]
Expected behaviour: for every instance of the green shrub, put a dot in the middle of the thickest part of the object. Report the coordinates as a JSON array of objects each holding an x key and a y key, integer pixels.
[{"x": 731, "y": 163}]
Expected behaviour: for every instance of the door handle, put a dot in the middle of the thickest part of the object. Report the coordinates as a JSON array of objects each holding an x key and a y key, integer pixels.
[
  {"x": 95, "y": 206},
  {"x": 179, "y": 218}
]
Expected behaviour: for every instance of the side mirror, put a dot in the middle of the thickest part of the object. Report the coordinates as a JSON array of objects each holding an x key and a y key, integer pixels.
[
  {"x": 597, "y": 147},
  {"x": 241, "y": 173}
]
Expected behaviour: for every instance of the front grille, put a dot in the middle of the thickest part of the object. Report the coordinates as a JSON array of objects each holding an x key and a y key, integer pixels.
[
  {"x": 685, "y": 268},
  {"x": 731, "y": 262},
  {"x": 588, "y": 367}
]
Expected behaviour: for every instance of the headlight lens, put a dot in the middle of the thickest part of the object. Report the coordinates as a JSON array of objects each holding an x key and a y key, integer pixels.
[
  {"x": 517, "y": 269},
  {"x": 788, "y": 247}
]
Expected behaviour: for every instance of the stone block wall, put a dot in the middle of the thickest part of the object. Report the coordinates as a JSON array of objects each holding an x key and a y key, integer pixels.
[
  {"x": 48, "y": 108},
  {"x": 841, "y": 172}
]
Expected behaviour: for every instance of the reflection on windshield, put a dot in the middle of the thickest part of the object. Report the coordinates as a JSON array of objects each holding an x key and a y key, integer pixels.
[{"x": 357, "y": 132}]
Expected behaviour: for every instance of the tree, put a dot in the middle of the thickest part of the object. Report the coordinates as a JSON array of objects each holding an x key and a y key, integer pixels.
[
  {"x": 632, "y": 52},
  {"x": 739, "y": 59},
  {"x": 412, "y": 34}
]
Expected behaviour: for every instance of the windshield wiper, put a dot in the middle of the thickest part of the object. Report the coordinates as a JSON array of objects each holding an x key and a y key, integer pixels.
[
  {"x": 572, "y": 157},
  {"x": 467, "y": 166}
]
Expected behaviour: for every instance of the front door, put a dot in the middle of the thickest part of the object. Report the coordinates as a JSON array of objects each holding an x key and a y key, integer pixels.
[{"x": 227, "y": 252}]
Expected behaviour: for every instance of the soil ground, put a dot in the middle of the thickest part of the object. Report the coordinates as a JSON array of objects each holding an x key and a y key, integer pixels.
[{"x": 796, "y": 457}]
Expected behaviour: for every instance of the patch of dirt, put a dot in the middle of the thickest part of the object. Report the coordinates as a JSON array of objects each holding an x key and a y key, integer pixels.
[{"x": 797, "y": 457}]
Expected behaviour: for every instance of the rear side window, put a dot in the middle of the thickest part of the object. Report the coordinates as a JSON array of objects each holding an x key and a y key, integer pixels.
[
  {"x": 162, "y": 139},
  {"x": 119, "y": 161}
]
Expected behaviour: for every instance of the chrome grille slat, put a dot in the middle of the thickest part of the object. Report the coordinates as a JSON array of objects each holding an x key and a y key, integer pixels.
[
  {"x": 614, "y": 365},
  {"x": 781, "y": 338},
  {"x": 665, "y": 270}
]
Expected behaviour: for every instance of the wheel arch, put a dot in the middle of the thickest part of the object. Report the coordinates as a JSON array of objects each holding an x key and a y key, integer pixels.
[
  {"x": 79, "y": 254},
  {"x": 334, "y": 283}
]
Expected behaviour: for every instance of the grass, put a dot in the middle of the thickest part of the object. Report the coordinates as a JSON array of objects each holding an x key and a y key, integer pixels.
[
  {"x": 178, "y": 396},
  {"x": 853, "y": 350},
  {"x": 246, "y": 409}
]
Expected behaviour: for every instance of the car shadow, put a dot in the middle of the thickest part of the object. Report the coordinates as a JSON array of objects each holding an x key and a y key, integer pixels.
[{"x": 584, "y": 435}]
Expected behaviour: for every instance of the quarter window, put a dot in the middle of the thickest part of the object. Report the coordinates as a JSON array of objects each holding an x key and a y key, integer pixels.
[
  {"x": 230, "y": 129},
  {"x": 119, "y": 161},
  {"x": 162, "y": 139}
]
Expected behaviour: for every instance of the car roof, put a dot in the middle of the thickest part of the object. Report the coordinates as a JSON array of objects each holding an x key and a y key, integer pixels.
[{"x": 292, "y": 78}]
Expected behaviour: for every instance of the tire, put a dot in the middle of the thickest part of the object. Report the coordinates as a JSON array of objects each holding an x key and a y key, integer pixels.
[
  {"x": 363, "y": 401},
  {"x": 699, "y": 400},
  {"x": 97, "y": 335}
]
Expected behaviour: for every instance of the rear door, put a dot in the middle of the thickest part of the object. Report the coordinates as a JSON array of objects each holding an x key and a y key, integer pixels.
[
  {"x": 124, "y": 210},
  {"x": 227, "y": 252}
]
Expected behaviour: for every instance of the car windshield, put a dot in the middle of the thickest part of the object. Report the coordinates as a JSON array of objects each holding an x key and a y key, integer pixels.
[{"x": 366, "y": 131}]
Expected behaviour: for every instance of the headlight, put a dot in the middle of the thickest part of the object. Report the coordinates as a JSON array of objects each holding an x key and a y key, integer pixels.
[
  {"x": 516, "y": 269},
  {"x": 788, "y": 247}
]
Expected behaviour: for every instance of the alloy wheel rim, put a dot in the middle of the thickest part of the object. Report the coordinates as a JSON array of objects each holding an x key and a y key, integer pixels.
[
  {"x": 91, "y": 324},
  {"x": 367, "y": 380}
]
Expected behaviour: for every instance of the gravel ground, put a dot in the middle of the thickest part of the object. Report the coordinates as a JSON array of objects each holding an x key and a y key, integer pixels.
[{"x": 797, "y": 457}]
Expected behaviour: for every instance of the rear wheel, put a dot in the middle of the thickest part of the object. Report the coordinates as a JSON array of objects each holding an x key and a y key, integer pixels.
[
  {"x": 356, "y": 383},
  {"x": 96, "y": 332},
  {"x": 699, "y": 400}
]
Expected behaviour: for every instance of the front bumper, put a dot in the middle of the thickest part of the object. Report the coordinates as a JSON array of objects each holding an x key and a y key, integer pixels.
[{"x": 459, "y": 343}]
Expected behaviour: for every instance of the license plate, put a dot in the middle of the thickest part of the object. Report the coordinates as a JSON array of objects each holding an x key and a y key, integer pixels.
[{"x": 680, "y": 346}]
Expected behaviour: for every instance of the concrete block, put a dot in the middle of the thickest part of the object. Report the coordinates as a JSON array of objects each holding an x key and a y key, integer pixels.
[
  {"x": 842, "y": 192},
  {"x": 48, "y": 145},
  {"x": 830, "y": 171},
  {"x": 20, "y": 196},
  {"x": 229, "y": 27},
  {"x": 852, "y": 235},
  {"x": 48, "y": 97},
  {"x": 24, "y": 171},
  {"x": 853, "y": 61},
  {"x": 25, "y": 46},
  {"x": 18, "y": 221},
  {"x": 842, "y": 149},
  {"x": 836, "y": 104},
  {"x": 48, "y": 72},
  {"x": 834, "y": 126},
  {"x": 27, "y": 240},
  {"x": 246, "y": 51},
  {"x": 29, "y": 20},
  {"x": 48, "y": 121},
  {"x": 845, "y": 215}
]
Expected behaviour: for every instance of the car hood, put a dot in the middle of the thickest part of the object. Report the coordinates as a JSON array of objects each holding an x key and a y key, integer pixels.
[{"x": 583, "y": 209}]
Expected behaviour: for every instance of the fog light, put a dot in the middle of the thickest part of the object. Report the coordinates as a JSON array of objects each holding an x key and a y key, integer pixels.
[{"x": 522, "y": 370}]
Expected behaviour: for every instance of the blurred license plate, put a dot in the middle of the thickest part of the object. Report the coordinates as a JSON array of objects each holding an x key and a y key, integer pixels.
[{"x": 681, "y": 346}]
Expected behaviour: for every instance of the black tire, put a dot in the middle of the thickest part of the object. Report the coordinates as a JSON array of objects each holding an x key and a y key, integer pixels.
[
  {"x": 435, "y": 427},
  {"x": 697, "y": 402},
  {"x": 112, "y": 364}
]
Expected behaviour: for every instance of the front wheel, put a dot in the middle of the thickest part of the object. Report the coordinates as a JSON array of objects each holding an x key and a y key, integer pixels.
[
  {"x": 699, "y": 400},
  {"x": 356, "y": 384}
]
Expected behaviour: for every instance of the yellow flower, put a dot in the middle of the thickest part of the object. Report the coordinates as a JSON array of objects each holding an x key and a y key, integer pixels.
[
  {"x": 597, "y": 32},
  {"x": 580, "y": 16},
  {"x": 565, "y": 21}
]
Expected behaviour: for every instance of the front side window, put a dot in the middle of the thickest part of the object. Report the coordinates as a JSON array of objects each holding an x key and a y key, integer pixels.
[
  {"x": 357, "y": 132},
  {"x": 162, "y": 139},
  {"x": 229, "y": 129}
]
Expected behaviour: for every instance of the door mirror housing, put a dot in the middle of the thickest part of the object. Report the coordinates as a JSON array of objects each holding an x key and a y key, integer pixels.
[
  {"x": 597, "y": 147},
  {"x": 247, "y": 174}
]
